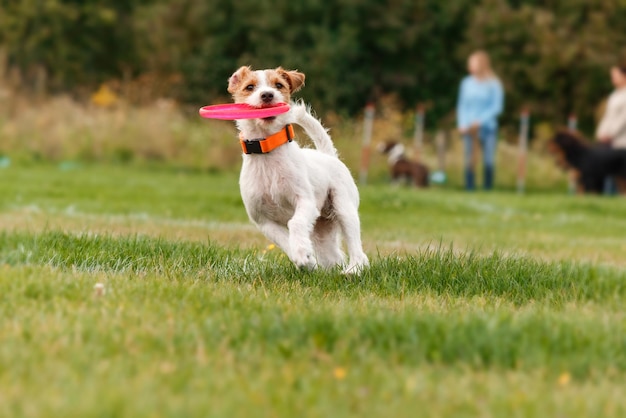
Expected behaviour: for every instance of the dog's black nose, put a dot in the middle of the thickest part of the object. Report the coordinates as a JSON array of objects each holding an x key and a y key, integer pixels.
[{"x": 267, "y": 96}]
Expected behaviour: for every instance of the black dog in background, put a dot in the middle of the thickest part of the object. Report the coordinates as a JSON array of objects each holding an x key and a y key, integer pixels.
[{"x": 592, "y": 162}]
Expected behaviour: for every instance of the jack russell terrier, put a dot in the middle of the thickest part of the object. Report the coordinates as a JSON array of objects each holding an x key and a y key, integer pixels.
[{"x": 302, "y": 199}]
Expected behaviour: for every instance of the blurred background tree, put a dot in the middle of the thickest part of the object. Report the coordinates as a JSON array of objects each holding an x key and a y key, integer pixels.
[
  {"x": 552, "y": 56},
  {"x": 69, "y": 43}
]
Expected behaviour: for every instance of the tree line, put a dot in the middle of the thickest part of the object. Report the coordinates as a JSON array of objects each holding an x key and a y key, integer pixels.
[{"x": 551, "y": 55}]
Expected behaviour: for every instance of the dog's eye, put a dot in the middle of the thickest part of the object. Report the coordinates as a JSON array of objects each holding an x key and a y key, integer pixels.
[
  {"x": 250, "y": 87},
  {"x": 279, "y": 85}
]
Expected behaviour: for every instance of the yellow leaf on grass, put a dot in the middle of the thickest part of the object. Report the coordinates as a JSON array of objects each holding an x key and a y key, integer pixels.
[{"x": 339, "y": 373}]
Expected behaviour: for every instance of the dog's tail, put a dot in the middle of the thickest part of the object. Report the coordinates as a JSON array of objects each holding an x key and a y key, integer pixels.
[{"x": 313, "y": 129}]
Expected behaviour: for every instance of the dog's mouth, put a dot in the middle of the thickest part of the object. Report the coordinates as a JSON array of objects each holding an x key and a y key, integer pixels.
[{"x": 268, "y": 119}]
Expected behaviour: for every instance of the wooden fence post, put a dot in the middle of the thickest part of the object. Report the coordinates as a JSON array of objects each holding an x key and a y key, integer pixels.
[
  {"x": 572, "y": 125},
  {"x": 368, "y": 123},
  {"x": 572, "y": 122},
  {"x": 418, "y": 135},
  {"x": 523, "y": 150},
  {"x": 439, "y": 176}
]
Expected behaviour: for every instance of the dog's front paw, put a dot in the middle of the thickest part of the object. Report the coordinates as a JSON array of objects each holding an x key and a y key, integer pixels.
[
  {"x": 304, "y": 260},
  {"x": 357, "y": 265}
]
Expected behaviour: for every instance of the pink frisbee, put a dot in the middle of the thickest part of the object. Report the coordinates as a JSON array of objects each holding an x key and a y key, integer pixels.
[{"x": 234, "y": 111}]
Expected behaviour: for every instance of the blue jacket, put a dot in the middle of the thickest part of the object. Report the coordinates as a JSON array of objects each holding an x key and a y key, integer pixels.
[{"x": 479, "y": 101}]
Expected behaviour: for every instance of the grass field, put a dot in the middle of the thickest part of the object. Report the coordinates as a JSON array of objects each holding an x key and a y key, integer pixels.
[{"x": 475, "y": 305}]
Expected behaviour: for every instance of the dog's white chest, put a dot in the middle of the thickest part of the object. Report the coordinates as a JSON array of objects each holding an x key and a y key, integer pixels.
[{"x": 267, "y": 192}]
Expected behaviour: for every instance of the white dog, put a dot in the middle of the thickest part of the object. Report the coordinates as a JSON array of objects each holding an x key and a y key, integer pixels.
[{"x": 301, "y": 199}]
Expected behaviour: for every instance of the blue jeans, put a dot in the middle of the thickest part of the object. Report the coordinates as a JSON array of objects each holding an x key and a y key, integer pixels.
[
  {"x": 610, "y": 186},
  {"x": 488, "y": 140}
]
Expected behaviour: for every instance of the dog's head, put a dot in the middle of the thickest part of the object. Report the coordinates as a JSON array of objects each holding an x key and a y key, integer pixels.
[
  {"x": 388, "y": 146},
  {"x": 264, "y": 88},
  {"x": 564, "y": 146},
  {"x": 393, "y": 150}
]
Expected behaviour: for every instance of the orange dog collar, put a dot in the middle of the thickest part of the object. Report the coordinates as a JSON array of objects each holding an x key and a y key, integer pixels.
[{"x": 265, "y": 145}]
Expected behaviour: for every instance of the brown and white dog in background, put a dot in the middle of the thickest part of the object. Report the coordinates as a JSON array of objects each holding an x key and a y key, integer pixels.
[{"x": 401, "y": 168}]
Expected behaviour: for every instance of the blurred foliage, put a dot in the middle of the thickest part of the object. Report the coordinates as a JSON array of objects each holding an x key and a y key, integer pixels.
[
  {"x": 352, "y": 51},
  {"x": 552, "y": 55},
  {"x": 74, "y": 42}
]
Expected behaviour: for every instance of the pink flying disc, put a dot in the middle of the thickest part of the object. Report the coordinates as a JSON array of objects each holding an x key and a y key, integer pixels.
[{"x": 233, "y": 111}]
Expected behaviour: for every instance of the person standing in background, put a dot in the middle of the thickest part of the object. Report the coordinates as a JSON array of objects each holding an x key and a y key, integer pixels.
[
  {"x": 612, "y": 127},
  {"x": 480, "y": 101}
]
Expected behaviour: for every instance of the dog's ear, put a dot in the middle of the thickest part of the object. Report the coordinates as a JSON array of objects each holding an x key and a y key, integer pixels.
[
  {"x": 237, "y": 77},
  {"x": 294, "y": 78}
]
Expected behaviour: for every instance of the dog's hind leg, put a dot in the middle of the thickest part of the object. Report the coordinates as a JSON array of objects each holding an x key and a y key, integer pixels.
[
  {"x": 327, "y": 243},
  {"x": 348, "y": 217}
]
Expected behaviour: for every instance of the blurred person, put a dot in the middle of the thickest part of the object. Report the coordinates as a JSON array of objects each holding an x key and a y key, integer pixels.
[
  {"x": 480, "y": 101},
  {"x": 612, "y": 127}
]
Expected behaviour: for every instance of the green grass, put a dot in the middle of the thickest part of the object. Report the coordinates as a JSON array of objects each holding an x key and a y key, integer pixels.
[{"x": 475, "y": 305}]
